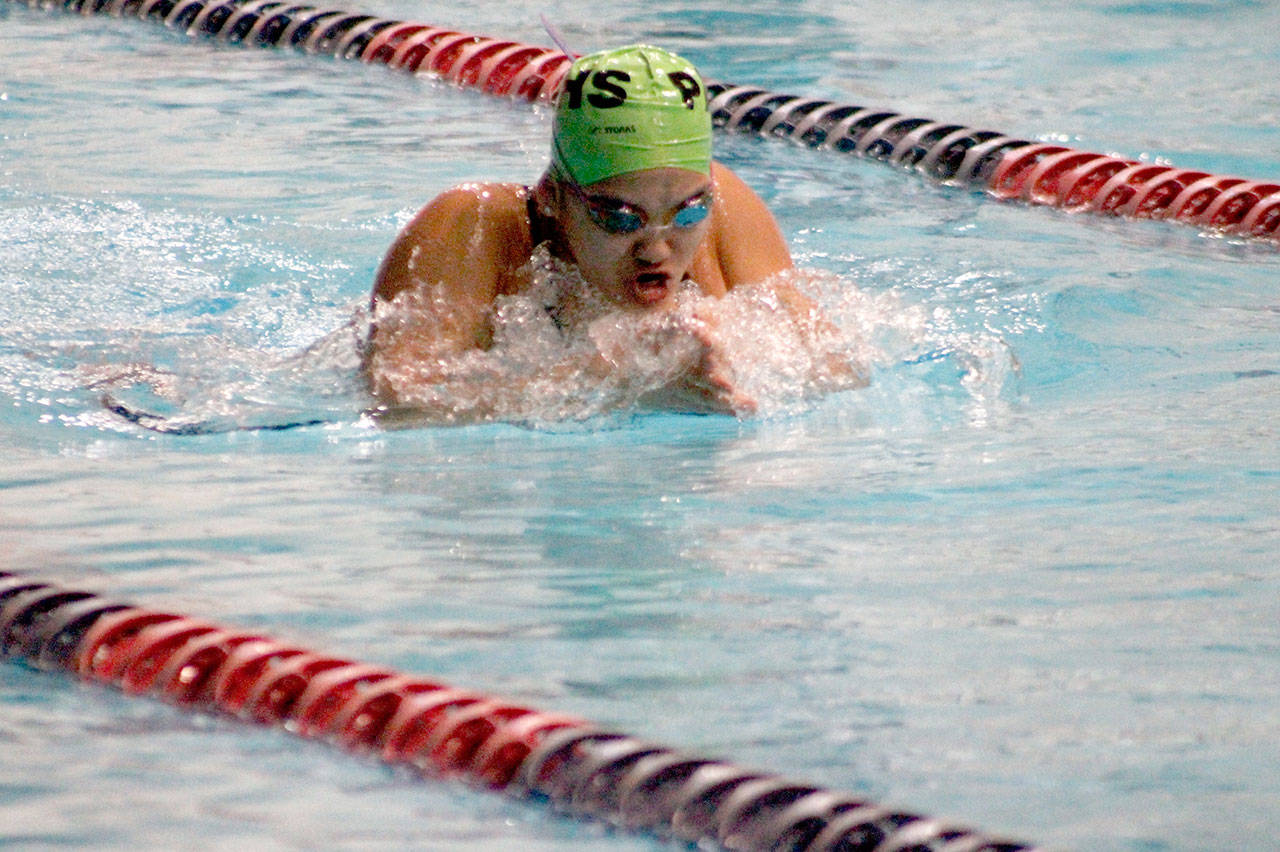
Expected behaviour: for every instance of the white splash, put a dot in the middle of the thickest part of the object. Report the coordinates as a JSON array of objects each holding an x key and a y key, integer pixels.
[{"x": 560, "y": 353}]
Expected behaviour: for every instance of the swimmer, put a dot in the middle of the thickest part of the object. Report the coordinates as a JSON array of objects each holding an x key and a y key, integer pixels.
[{"x": 634, "y": 202}]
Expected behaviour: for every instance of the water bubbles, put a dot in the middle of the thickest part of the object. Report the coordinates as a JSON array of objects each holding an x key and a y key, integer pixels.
[{"x": 559, "y": 352}]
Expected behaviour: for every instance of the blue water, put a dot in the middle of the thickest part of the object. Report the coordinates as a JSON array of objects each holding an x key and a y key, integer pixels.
[{"x": 1024, "y": 580}]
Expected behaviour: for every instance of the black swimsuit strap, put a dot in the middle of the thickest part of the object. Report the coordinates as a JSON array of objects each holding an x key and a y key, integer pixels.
[{"x": 541, "y": 228}]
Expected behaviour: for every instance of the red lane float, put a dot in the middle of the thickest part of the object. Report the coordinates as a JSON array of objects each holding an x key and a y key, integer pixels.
[{"x": 440, "y": 730}]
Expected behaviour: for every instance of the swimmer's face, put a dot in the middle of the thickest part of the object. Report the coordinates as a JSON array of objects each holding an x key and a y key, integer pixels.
[{"x": 634, "y": 236}]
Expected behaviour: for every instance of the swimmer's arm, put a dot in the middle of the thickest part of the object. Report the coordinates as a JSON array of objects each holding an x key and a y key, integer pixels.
[
  {"x": 447, "y": 261},
  {"x": 432, "y": 303},
  {"x": 749, "y": 246},
  {"x": 751, "y": 251},
  {"x": 434, "y": 290}
]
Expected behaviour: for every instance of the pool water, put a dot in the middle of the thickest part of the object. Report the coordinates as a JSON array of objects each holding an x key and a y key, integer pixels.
[{"x": 1025, "y": 579}]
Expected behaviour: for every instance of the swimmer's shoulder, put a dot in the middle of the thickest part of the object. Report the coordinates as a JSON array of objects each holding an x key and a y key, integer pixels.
[
  {"x": 745, "y": 240},
  {"x": 482, "y": 227},
  {"x": 732, "y": 192},
  {"x": 494, "y": 208}
]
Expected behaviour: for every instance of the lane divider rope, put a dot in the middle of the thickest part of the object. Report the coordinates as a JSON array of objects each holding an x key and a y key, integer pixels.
[
  {"x": 1009, "y": 168},
  {"x": 581, "y": 768}
]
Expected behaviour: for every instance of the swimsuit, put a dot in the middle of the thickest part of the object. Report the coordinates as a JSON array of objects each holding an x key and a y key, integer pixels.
[{"x": 541, "y": 229}]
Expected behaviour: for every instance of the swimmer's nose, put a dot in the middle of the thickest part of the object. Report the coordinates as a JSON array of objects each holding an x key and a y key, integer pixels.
[{"x": 653, "y": 246}]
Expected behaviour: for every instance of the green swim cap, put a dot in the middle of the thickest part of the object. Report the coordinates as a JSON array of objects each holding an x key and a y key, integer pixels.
[{"x": 627, "y": 110}]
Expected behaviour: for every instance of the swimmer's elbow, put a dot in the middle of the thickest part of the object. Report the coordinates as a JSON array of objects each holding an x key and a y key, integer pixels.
[
  {"x": 397, "y": 365},
  {"x": 383, "y": 378}
]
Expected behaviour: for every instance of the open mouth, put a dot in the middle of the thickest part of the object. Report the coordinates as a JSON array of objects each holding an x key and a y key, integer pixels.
[{"x": 650, "y": 287}]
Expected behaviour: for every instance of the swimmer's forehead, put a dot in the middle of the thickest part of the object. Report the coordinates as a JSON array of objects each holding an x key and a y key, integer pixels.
[{"x": 632, "y": 190}]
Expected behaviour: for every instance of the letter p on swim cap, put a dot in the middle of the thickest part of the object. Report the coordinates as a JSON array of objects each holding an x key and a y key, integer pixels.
[{"x": 627, "y": 110}]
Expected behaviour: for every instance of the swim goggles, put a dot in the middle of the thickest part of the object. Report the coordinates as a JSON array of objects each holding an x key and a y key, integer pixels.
[{"x": 618, "y": 217}]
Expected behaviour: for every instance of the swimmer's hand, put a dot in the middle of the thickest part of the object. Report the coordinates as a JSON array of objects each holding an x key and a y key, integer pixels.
[
  {"x": 678, "y": 361},
  {"x": 709, "y": 385},
  {"x": 831, "y": 367},
  {"x": 797, "y": 352}
]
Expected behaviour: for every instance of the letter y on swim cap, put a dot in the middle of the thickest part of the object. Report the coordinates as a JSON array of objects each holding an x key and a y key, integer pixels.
[{"x": 627, "y": 110}]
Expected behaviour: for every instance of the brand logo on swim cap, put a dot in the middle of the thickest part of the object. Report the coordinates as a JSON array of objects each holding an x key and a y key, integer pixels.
[{"x": 606, "y": 93}]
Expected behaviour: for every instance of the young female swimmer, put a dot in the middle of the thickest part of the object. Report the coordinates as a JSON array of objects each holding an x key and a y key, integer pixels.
[{"x": 633, "y": 200}]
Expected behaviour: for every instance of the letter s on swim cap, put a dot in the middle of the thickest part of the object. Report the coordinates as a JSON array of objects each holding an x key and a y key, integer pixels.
[{"x": 627, "y": 110}]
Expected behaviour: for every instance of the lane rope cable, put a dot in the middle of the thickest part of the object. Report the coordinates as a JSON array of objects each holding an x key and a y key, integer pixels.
[
  {"x": 1008, "y": 167},
  {"x": 580, "y": 768}
]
